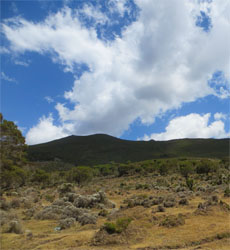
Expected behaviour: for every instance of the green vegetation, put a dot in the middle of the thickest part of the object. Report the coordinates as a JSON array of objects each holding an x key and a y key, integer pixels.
[
  {"x": 13, "y": 155},
  {"x": 80, "y": 175},
  {"x": 104, "y": 149},
  {"x": 119, "y": 226}
]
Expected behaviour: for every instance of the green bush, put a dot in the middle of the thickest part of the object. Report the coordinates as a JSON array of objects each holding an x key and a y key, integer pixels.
[
  {"x": 119, "y": 226},
  {"x": 80, "y": 175},
  {"x": 163, "y": 169},
  {"x": 124, "y": 169},
  {"x": 227, "y": 192},
  {"x": 186, "y": 169},
  {"x": 49, "y": 197},
  {"x": 13, "y": 177},
  {"x": 204, "y": 167},
  {"x": 190, "y": 183},
  {"x": 40, "y": 176}
]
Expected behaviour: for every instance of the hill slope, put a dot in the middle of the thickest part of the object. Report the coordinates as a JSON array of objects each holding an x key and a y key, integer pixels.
[{"x": 100, "y": 148}]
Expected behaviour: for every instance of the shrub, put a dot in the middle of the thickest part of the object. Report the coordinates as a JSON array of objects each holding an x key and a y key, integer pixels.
[
  {"x": 4, "y": 205},
  {"x": 160, "y": 209},
  {"x": 183, "y": 201},
  {"x": 163, "y": 169},
  {"x": 66, "y": 223},
  {"x": 227, "y": 192},
  {"x": 103, "y": 213},
  {"x": 190, "y": 183},
  {"x": 81, "y": 175},
  {"x": 15, "y": 203},
  {"x": 119, "y": 226},
  {"x": 65, "y": 188},
  {"x": 87, "y": 218},
  {"x": 186, "y": 169},
  {"x": 40, "y": 176},
  {"x": 204, "y": 167},
  {"x": 142, "y": 186},
  {"x": 124, "y": 170},
  {"x": 173, "y": 221},
  {"x": 14, "y": 227},
  {"x": 49, "y": 197}
]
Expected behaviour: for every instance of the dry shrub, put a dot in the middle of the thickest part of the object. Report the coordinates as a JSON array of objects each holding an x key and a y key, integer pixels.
[
  {"x": 66, "y": 223},
  {"x": 173, "y": 221},
  {"x": 13, "y": 226},
  {"x": 15, "y": 203}
]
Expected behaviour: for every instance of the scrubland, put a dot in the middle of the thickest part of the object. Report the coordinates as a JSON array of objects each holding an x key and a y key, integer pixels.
[{"x": 158, "y": 204}]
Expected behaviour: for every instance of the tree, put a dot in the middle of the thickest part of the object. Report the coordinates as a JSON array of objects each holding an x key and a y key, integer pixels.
[
  {"x": 186, "y": 169},
  {"x": 13, "y": 153},
  {"x": 80, "y": 175}
]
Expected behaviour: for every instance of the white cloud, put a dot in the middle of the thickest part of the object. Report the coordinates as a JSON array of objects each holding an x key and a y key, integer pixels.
[
  {"x": 220, "y": 116},
  {"x": 191, "y": 126},
  {"x": 45, "y": 131},
  {"x": 4, "y": 50},
  {"x": 21, "y": 63},
  {"x": 161, "y": 61},
  {"x": 49, "y": 99},
  {"x": 94, "y": 13},
  {"x": 7, "y": 78},
  {"x": 118, "y": 6}
]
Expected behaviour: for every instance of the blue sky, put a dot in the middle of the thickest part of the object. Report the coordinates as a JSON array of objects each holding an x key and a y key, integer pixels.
[{"x": 135, "y": 69}]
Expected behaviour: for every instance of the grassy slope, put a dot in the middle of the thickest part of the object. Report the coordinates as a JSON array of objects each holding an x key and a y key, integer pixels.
[
  {"x": 99, "y": 149},
  {"x": 144, "y": 232}
]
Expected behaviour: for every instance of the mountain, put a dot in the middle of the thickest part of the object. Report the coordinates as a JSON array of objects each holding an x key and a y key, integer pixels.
[{"x": 101, "y": 148}]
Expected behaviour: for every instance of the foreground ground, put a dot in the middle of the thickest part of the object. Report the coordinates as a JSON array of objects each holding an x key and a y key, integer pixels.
[{"x": 157, "y": 212}]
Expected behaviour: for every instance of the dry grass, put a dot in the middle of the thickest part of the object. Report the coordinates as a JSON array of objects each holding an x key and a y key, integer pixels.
[{"x": 199, "y": 231}]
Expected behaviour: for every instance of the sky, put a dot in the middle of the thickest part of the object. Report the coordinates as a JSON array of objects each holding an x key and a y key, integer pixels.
[{"x": 134, "y": 69}]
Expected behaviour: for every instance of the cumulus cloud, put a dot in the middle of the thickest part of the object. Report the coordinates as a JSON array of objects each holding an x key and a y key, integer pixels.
[
  {"x": 159, "y": 62},
  {"x": 191, "y": 126},
  {"x": 45, "y": 131},
  {"x": 220, "y": 116}
]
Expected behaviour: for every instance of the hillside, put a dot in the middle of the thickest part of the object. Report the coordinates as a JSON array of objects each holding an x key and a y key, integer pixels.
[{"x": 100, "y": 148}]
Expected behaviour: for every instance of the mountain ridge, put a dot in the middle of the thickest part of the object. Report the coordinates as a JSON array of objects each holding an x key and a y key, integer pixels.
[{"x": 102, "y": 148}]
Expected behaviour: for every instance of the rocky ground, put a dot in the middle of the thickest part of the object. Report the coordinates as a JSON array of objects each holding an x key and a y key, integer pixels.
[{"x": 131, "y": 212}]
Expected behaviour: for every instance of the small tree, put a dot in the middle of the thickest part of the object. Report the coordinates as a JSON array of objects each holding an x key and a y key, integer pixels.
[
  {"x": 204, "y": 167},
  {"x": 190, "y": 183},
  {"x": 186, "y": 169},
  {"x": 13, "y": 154},
  {"x": 80, "y": 175}
]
